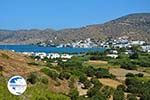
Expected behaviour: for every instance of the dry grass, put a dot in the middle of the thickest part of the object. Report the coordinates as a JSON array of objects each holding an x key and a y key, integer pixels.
[
  {"x": 16, "y": 64},
  {"x": 97, "y": 62},
  {"x": 110, "y": 82},
  {"x": 120, "y": 73}
]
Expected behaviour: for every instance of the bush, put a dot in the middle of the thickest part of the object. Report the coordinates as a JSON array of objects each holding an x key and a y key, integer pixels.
[
  {"x": 87, "y": 84},
  {"x": 90, "y": 71},
  {"x": 95, "y": 58},
  {"x": 134, "y": 56},
  {"x": 32, "y": 78},
  {"x": 139, "y": 74},
  {"x": 131, "y": 97},
  {"x": 128, "y": 65},
  {"x": 130, "y": 75},
  {"x": 134, "y": 85},
  {"x": 71, "y": 82},
  {"x": 51, "y": 73},
  {"x": 121, "y": 87},
  {"x": 82, "y": 78},
  {"x": 49, "y": 65},
  {"x": 107, "y": 91},
  {"x": 96, "y": 83},
  {"x": 44, "y": 80},
  {"x": 92, "y": 91},
  {"x": 64, "y": 75},
  {"x": 74, "y": 94},
  {"x": 1, "y": 68},
  {"x": 118, "y": 95},
  {"x": 98, "y": 96},
  {"x": 33, "y": 63},
  {"x": 103, "y": 73},
  {"x": 144, "y": 63},
  {"x": 4, "y": 56}
]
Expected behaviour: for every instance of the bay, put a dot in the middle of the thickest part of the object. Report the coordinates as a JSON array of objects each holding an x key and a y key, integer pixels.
[{"x": 35, "y": 48}]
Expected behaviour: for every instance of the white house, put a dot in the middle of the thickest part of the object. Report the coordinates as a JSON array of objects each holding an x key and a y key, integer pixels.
[
  {"x": 53, "y": 55},
  {"x": 137, "y": 42},
  {"x": 112, "y": 55},
  {"x": 146, "y": 48},
  {"x": 42, "y": 55},
  {"x": 66, "y": 56}
]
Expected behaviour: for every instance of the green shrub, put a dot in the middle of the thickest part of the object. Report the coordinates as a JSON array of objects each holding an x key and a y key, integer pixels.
[
  {"x": 128, "y": 65},
  {"x": 74, "y": 94},
  {"x": 118, "y": 95},
  {"x": 96, "y": 83},
  {"x": 4, "y": 56},
  {"x": 71, "y": 82},
  {"x": 121, "y": 87},
  {"x": 82, "y": 78},
  {"x": 92, "y": 91},
  {"x": 90, "y": 71},
  {"x": 134, "y": 56},
  {"x": 130, "y": 75},
  {"x": 44, "y": 80},
  {"x": 139, "y": 74},
  {"x": 64, "y": 75},
  {"x": 103, "y": 73},
  {"x": 51, "y": 73},
  {"x": 131, "y": 97},
  {"x": 32, "y": 78},
  {"x": 98, "y": 96},
  {"x": 87, "y": 84},
  {"x": 107, "y": 91},
  {"x": 49, "y": 65},
  {"x": 33, "y": 63}
]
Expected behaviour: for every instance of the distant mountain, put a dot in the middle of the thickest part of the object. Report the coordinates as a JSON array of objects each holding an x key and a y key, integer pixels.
[{"x": 136, "y": 26}]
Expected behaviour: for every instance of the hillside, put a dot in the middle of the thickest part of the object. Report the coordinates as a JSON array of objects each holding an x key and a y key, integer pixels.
[
  {"x": 136, "y": 26},
  {"x": 12, "y": 63}
]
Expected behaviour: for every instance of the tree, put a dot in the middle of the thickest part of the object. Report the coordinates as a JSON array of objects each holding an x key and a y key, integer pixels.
[
  {"x": 131, "y": 97},
  {"x": 118, "y": 95},
  {"x": 92, "y": 91},
  {"x": 107, "y": 91},
  {"x": 121, "y": 87},
  {"x": 98, "y": 96},
  {"x": 134, "y": 56},
  {"x": 96, "y": 83},
  {"x": 64, "y": 75},
  {"x": 74, "y": 94},
  {"x": 87, "y": 84},
  {"x": 82, "y": 78},
  {"x": 128, "y": 65},
  {"x": 90, "y": 71}
]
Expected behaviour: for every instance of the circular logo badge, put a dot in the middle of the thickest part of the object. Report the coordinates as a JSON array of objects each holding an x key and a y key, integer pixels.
[{"x": 17, "y": 85}]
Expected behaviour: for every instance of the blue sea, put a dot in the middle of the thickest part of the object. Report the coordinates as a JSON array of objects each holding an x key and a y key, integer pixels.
[{"x": 35, "y": 48}]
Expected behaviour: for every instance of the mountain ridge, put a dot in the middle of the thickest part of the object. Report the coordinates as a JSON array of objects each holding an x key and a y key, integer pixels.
[{"x": 135, "y": 26}]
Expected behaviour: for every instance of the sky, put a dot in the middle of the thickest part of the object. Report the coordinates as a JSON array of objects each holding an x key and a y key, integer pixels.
[{"x": 59, "y": 14}]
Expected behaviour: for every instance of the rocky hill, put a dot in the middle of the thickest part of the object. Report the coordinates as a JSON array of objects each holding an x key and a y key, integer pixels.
[{"x": 136, "y": 26}]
